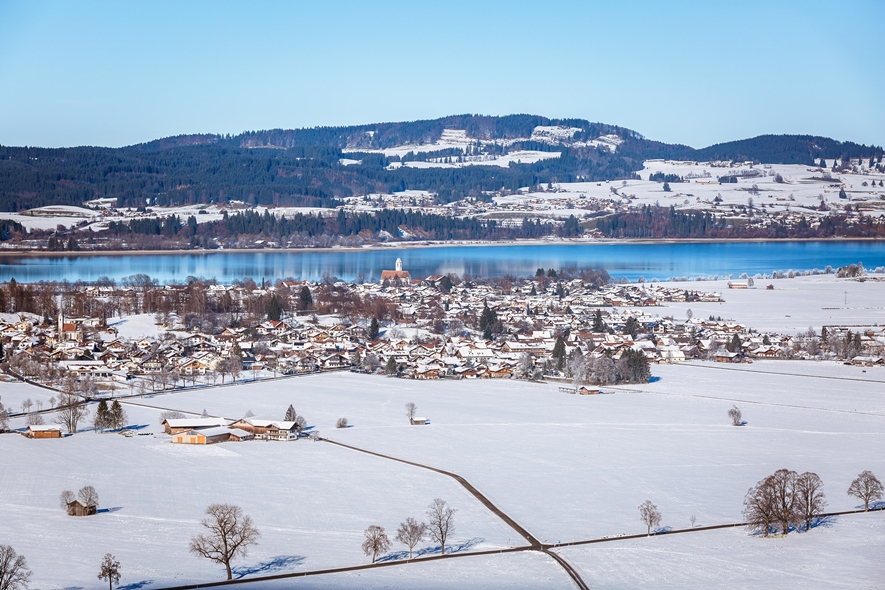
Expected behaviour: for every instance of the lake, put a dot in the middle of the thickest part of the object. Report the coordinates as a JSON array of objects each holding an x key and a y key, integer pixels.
[{"x": 629, "y": 260}]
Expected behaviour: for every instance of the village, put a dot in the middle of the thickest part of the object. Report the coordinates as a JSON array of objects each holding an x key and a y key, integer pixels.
[{"x": 577, "y": 329}]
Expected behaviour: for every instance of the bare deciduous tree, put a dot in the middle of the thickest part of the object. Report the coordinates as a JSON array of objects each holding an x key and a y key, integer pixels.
[
  {"x": 410, "y": 533},
  {"x": 65, "y": 498},
  {"x": 783, "y": 483},
  {"x": 230, "y": 534},
  {"x": 441, "y": 522},
  {"x": 810, "y": 497},
  {"x": 410, "y": 410},
  {"x": 649, "y": 514},
  {"x": 14, "y": 572},
  {"x": 759, "y": 506},
  {"x": 88, "y": 496},
  {"x": 70, "y": 412},
  {"x": 736, "y": 418},
  {"x": 110, "y": 570},
  {"x": 867, "y": 487},
  {"x": 692, "y": 518},
  {"x": 341, "y": 423},
  {"x": 376, "y": 541}
]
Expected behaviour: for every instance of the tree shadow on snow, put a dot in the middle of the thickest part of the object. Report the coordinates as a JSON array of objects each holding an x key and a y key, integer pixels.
[
  {"x": 821, "y": 521},
  {"x": 135, "y": 585},
  {"x": 436, "y": 549},
  {"x": 266, "y": 567},
  {"x": 663, "y": 529},
  {"x": 654, "y": 379},
  {"x": 876, "y": 506},
  {"x": 114, "y": 509}
]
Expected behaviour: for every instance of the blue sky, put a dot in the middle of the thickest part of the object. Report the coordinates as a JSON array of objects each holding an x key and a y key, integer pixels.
[{"x": 118, "y": 73}]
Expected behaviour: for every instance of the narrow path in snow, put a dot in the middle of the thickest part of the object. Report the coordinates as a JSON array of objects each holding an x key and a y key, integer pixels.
[{"x": 699, "y": 366}]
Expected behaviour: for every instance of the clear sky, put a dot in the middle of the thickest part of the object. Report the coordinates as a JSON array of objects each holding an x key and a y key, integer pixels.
[{"x": 118, "y": 73}]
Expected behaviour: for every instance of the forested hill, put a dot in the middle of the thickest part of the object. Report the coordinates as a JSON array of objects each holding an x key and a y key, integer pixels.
[{"x": 304, "y": 166}]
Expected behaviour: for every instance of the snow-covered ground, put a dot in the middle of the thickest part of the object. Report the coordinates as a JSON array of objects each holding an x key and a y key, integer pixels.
[
  {"x": 565, "y": 467},
  {"x": 844, "y": 552},
  {"x": 698, "y": 193},
  {"x": 792, "y": 306}
]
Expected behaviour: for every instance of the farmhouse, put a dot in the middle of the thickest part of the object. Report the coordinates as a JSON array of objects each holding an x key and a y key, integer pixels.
[{"x": 268, "y": 429}]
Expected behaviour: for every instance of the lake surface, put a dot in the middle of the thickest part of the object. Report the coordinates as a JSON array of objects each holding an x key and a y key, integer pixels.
[{"x": 662, "y": 261}]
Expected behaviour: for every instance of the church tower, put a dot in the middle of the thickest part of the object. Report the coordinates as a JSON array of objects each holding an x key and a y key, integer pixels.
[{"x": 399, "y": 265}]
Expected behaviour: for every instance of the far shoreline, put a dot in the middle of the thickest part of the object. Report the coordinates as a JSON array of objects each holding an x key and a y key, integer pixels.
[{"x": 424, "y": 245}]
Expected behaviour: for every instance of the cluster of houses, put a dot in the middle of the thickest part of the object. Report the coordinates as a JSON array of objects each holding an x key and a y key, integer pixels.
[{"x": 432, "y": 332}]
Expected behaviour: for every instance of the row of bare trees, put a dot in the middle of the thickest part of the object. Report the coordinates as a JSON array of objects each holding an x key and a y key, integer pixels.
[{"x": 440, "y": 524}]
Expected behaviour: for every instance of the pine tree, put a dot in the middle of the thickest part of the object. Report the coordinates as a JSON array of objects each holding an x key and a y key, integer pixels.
[
  {"x": 559, "y": 352},
  {"x": 390, "y": 367},
  {"x": 305, "y": 298},
  {"x": 374, "y": 329},
  {"x": 102, "y": 416},
  {"x": 273, "y": 309},
  {"x": 290, "y": 414},
  {"x": 598, "y": 324},
  {"x": 117, "y": 416}
]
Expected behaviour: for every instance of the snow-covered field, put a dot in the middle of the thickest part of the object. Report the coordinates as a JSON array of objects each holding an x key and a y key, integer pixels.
[
  {"x": 792, "y": 306},
  {"x": 845, "y": 552},
  {"x": 565, "y": 467}
]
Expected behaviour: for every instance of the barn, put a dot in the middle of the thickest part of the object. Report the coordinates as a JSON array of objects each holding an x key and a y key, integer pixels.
[
  {"x": 35, "y": 431},
  {"x": 176, "y": 425},
  {"x": 208, "y": 436}
]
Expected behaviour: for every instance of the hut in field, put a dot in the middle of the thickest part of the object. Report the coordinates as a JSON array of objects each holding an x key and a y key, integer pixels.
[{"x": 77, "y": 508}]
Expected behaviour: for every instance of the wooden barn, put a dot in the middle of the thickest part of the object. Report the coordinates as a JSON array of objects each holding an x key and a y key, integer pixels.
[
  {"x": 41, "y": 431},
  {"x": 77, "y": 508}
]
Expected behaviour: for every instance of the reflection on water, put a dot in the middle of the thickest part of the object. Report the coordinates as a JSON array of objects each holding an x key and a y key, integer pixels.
[{"x": 660, "y": 261}]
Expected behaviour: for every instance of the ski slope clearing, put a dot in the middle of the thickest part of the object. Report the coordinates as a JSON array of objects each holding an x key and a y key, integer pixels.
[{"x": 843, "y": 552}]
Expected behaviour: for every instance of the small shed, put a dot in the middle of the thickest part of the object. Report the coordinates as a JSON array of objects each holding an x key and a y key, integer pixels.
[
  {"x": 78, "y": 508},
  {"x": 35, "y": 431},
  {"x": 418, "y": 421},
  {"x": 585, "y": 390}
]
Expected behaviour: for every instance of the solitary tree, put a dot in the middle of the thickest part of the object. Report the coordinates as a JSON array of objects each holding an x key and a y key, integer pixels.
[
  {"x": 14, "y": 572},
  {"x": 376, "y": 541},
  {"x": 290, "y": 414},
  {"x": 649, "y": 514},
  {"x": 110, "y": 570},
  {"x": 810, "y": 497},
  {"x": 70, "y": 412},
  {"x": 410, "y": 533},
  {"x": 230, "y": 534},
  {"x": 411, "y": 409},
  {"x": 441, "y": 522},
  {"x": 783, "y": 483},
  {"x": 735, "y": 414},
  {"x": 867, "y": 487},
  {"x": 341, "y": 423}
]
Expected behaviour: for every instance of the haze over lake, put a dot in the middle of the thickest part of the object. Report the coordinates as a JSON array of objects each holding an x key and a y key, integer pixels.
[{"x": 631, "y": 261}]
